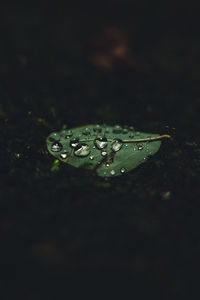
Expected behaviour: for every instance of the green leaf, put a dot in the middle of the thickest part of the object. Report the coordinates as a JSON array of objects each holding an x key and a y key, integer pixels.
[{"x": 107, "y": 150}]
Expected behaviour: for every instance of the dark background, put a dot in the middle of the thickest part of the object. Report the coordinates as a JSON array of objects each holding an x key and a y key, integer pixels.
[{"x": 83, "y": 62}]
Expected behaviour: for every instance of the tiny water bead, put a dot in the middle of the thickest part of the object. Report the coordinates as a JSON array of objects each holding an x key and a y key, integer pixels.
[
  {"x": 116, "y": 145},
  {"x": 82, "y": 150},
  {"x": 123, "y": 170},
  {"x": 101, "y": 142},
  {"x": 53, "y": 137},
  {"x": 125, "y": 130},
  {"x": 64, "y": 155},
  {"x": 74, "y": 142},
  {"x": 140, "y": 147},
  {"x": 86, "y": 131},
  {"x": 117, "y": 129},
  {"x": 103, "y": 153},
  {"x": 112, "y": 172},
  {"x": 91, "y": 157},
  {"x": 97, "y": 128},
  {"x": 66, "y": 133},
  {"x": 56, "y": 147}
]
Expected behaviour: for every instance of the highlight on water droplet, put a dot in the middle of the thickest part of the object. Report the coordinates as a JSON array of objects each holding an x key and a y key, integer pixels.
[
  {"x": 100, "y": 142},
  {"x": 56, "y": 147},
  {"x": 82, "y": 150},
  {"x": 91, "y": 157},
  {"x": 116, "y": 145}
]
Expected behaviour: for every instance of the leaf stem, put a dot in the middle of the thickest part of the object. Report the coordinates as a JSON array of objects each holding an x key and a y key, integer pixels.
[{"x": 160, "y": 137}]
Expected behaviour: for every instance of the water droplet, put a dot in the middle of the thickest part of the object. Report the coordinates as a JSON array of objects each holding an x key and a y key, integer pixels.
[
  {"x": 125, "y": 130},
  {"x": 64, "y": 155},
  {"x": 82, "y": 150},
  {"x": 101, "y": 142},
  {"x": 53, "y": 137},
  {"x": 107, "y": 165},
  {"x": 112, "y": 172},
  {"x": 131, "y": 128},
  {"x": 126, "y": 145},
  {"x": 103, "y": 153},
  {"x": 123, "y": 170},
  {"x": 91, "y": 157},
  {"x": 56, "y": 147},
  {"x": 137, "y": 133},
  {"x": 66, "y": 133},
  {"x": 131, "y": 135},
  {"x": 97, "y": 128},
  {"x": 117, "y": 129},
  {"x": 116, "y": 145},
  {"x": 107, "y": 130},
  {"x": 74, "y": 142},
  {"x": 140, "y": 147},
  {"x": 86, "y": 131}
]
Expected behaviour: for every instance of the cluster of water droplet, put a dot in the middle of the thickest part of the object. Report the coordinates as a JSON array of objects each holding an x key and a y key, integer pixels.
[{"x": 96, "y": 134}]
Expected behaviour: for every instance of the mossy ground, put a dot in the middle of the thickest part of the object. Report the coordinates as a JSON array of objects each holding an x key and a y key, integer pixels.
[{"x": 60, "y": 68}]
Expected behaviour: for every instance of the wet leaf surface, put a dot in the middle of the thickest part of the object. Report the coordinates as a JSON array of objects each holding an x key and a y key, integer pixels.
[{"x": 108, "y": 150}]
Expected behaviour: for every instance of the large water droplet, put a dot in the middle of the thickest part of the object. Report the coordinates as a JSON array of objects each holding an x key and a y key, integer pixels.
[
  {"x": 56, "y": 147},
  {"x": 97, "y": 128},
  {"x": 86, "y": 131},
  {"x": 123, "y": 170},
  {"x": 116, "y": 145},
  {"x": 74, "y": 142},
  {"x": 101, "y": 142},
  {"x": 112, "y": 172},
  {"x": 117, "y": 129},
  {"x": 82, "y": 150}
]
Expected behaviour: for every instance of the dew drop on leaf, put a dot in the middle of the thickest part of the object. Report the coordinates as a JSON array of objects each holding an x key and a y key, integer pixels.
[
  {"x": 97, "y": 128},
  {"x": 101, "y": 142},
  {"x": 86, "y": 131},
  {"x": 116, "y": 145},
  {"x": 64, "y": 155},
  {"x": 112, "y": 172},
  {"x": 117, "y": 129},
  {"x": 74, "y": 142},
  {"x": 103, "y": 153},
  {"x": 56, "y": 147},
  {"x": 82, "y": 150},
  {"x": 123, "y": 170}
]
